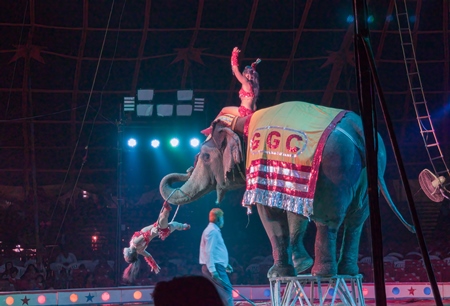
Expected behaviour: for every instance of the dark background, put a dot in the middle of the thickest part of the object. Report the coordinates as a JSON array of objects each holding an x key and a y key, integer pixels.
[{"x": 66, "y": 67}]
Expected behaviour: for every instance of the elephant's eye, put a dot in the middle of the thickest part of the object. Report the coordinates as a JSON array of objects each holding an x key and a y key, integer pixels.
[{"x": 205, "y": 156}]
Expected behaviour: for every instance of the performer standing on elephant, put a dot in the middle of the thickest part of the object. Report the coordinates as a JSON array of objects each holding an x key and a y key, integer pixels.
[
  {"x": 141, "y": 240},
  {"x": 214, "y": 256},
  {"x": 248, "y": 93}
]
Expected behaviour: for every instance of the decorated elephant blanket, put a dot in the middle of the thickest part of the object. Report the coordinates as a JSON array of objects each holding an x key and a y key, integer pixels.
[{"x": 285, "y": 144}]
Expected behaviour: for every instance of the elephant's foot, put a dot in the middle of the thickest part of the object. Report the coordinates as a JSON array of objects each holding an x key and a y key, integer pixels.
[
  {"x": 345, "y": 268},
  {"x": 324, "y": 269},
  {"x": 303, "y": 265},
  {"x": 279, "y": 270}
]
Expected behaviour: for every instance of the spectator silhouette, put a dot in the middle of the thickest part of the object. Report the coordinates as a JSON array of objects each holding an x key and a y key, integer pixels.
[
  {"x": 89, "y": 280},
  {"x": 40, "y": 282},
  {"x": 65, "y": 257},
  {"x": 28, "y": 279},
  {"x": 186, "y": 291},
  {"x": 78, "y": 276},
  {"x": 104, "y": 274},
  {"x": 14, "y": 280},
  {"x": 8, "y": 268}
]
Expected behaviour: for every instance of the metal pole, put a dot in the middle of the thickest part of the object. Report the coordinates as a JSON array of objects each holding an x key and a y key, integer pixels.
[
  {"x": 119, "y": 198},
  {"x": 365, "y": 97},
  {"x": 404, "y": 178}
]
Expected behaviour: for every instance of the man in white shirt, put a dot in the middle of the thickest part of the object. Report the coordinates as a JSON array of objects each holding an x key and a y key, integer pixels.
[{"x": 214, "y": 256}]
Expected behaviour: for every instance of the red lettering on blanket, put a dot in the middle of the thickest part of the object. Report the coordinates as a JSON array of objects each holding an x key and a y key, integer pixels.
[
  {"x": 255, "y": 141},
  {"x": 273, "y": 144},
  {"x": 288, "y": 143}
]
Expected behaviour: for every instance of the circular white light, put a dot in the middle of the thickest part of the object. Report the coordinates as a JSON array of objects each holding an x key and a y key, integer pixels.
[
  {"x": 174, "y": 142},
  {"x": 195, "y": 142},
  {"x": 155, "y": 143},
  {"x": 132, "y": 142}
]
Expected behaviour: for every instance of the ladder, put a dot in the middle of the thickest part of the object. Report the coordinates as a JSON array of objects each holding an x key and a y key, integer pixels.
[{"x": 417, "y": 95}]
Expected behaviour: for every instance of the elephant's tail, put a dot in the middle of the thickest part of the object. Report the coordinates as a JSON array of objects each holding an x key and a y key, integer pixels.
[
  {"x": 358, "y": 140},
  {"x": 387, "y": 196}
]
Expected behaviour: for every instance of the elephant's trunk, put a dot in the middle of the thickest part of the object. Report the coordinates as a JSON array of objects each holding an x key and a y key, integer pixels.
[{"x": 183, "y": 194}]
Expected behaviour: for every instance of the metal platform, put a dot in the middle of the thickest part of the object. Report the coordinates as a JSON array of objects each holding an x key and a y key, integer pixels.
[{"x": 314, "y": 290}]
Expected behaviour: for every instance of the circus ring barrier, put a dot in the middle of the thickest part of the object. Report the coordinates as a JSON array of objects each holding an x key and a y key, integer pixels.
[{"x": 262, "y": 293}]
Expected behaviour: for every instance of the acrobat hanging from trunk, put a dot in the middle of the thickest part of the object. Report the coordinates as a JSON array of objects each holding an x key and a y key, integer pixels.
[{"x": 140, "y": 241}]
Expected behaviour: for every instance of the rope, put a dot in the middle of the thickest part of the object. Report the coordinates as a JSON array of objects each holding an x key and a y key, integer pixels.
[{"x": 178, "y": 206}]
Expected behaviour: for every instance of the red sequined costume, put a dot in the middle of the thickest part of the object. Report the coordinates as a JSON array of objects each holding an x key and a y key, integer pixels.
[
  {"x": 163, "y": 233},
  {"x": 147, "y": 237}
]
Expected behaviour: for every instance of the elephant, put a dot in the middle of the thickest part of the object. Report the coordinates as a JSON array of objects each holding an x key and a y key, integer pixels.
[{"x": 339, "y": 197}]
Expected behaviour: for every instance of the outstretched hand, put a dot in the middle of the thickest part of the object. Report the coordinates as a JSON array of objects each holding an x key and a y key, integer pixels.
[
  {"x": 156, "y": 269},
  {"x": 152, "y": 263},
  {"x": 236, "y": 49}
]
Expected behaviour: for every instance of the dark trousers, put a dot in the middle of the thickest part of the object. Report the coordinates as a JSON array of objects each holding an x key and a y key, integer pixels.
[{"x": 224, "y": 287}]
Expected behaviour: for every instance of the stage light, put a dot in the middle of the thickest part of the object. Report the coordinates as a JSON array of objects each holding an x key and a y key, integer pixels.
[
  {"x": 155, "y": 143},
  {"x": 41, "y": 299},
  {"x": 350, "y": 19},
  {"x": 9, "y": 300},
  {"x": 73, "y": 298},
  {"x": 164, "y": 110},
  {"x": 128, "y": 104},
  {"x": 184, "y": 102},
  {"x": 145, "y": 94},
  {"x": 185, "y": 95},
  {"x": 137, "y": 295},
  {"x": 184, "y": 109},
  {"x": 105, "y": 296},
  {"x": 174, "y": 142},
  {"x": 132, "y": 142},
  {"x": 199, "y": 104},
  {"x": 195, "y": 142},
  {"x": 144, "y": 110},
  {"x": 370, "y": 19},
  {"x": 365, "y": 291}
]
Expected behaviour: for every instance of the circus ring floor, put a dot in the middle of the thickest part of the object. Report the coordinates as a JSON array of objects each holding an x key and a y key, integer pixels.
[{"x": 396, "y": 293}]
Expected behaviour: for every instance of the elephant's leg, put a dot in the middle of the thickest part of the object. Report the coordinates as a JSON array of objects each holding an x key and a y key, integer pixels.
[
  {"x": 297, "y": 229},
  {"x": 325, "y": 251},
  {"x": 353, "y": 224},
  {"x": 275, "y": 223},
  {"x": 348, "y": 260},
  {"x": 338, "y": 181}
]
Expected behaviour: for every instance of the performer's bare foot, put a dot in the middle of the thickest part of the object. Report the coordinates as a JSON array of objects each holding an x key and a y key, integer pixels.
[{"x": 186, "y": 226}]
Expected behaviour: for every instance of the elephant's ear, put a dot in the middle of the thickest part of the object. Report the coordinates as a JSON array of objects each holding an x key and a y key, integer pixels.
[{"x": 232, "y": 153}]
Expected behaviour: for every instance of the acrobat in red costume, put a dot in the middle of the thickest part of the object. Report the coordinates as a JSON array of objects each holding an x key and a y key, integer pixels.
[
  {"x": 248, "y": 93},
  {"x": 140, "y": 240}
]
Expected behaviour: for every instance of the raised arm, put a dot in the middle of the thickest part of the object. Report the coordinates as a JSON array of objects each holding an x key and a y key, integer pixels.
[{"x": 235, "y": 68}]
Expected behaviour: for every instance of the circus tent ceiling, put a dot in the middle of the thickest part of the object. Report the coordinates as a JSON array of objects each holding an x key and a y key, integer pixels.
[{"x": 66, "y": 67}]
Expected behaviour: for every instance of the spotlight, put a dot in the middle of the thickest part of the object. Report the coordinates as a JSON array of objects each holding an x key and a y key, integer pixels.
[
  {"x": 174, "y": 142},
  {"x": 195, "y": 142},
  {"x": 350, "y": 18},
  {"x": 155, "y": 143},
  {"x": 132, "y": 142}
]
